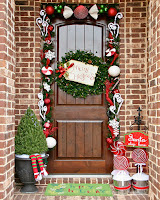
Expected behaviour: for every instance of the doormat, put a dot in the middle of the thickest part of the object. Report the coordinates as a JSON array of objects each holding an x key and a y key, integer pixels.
[{"x": 74, "y": 189}]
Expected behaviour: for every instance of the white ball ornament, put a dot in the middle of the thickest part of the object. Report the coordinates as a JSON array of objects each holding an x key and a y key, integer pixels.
[
  {"x": 114, "y": 71},
  {"x": 51, "y": 142}
]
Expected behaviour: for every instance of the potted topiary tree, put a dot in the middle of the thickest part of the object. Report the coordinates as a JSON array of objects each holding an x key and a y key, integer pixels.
[{"x": 30, "y": 148}]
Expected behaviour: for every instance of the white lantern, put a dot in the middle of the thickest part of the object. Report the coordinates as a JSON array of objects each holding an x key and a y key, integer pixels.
[
  {"x": 114, "y": 71},
  {"x": 51, "y": 142}
]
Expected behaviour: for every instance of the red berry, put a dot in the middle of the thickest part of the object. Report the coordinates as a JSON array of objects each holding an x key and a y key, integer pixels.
[
  {"x": 49, "y": 10},
  {"x": 109, "y": 140},
  {"x": 112, "y": 12},
  {"x": 50, "y": 28},
  {"x": 60, "y": 68},
  {"x": 47, "y": 101}
]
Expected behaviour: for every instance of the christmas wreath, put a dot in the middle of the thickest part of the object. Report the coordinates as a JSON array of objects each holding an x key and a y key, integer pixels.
[{"x": 78, "y": 89}]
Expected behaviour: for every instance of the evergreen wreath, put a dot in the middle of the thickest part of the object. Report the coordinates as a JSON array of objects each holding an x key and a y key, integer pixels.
[{"x": 78, "y": 89}]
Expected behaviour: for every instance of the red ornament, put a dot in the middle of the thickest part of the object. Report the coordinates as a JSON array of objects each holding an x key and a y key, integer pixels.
[
  {"x": 81, "y": 12},
  {"x": 112, "y": 12},
  {"x": 109, "y": 140},
  {"x": 47, "y": 125},
  {"x": 47, "y": 101},
  {"x": 49, "y": 10},
  {"x": 47, "y": 70},
  {"x": 50, "y": 28}
]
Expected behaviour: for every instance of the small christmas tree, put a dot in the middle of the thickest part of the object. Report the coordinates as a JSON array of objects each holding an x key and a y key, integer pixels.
[{"x": 30, "y": 138}]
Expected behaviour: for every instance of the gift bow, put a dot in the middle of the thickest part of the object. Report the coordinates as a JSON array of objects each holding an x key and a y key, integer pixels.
[
  {"x": 68, "y": 12},
  {"x": 63, "y": 70}
]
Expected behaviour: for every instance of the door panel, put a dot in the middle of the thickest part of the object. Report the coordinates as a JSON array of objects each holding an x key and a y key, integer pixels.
[
  {"x": 80, "y": 139},
  {"x": 80, "y": 37},
  {"x": 65, "y": 99},
  {"x": 82, "y": 123}
]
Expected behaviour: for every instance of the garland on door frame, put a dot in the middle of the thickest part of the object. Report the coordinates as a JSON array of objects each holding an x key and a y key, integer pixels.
[{"x": 107, "y": 76}]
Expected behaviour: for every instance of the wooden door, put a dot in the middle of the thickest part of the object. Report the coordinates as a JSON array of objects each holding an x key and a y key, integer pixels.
[{"x": 82, "y": 123}]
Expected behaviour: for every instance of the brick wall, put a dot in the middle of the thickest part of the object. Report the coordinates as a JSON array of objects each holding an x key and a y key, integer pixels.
[
  {"x": 133, "y": 64},
  {"x": 133, "y": 59},
  {"x": 154, "y": 97},
  {"x": 7, "y": 103}
]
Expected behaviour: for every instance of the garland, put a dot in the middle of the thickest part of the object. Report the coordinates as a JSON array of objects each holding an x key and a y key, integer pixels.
[{"x": 107, "y": 75}]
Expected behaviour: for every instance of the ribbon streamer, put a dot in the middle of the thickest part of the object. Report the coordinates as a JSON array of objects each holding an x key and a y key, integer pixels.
[
  {"x": 108, "y": 86},
  {"x": 114, "y": 58},
  {"x": 111, "y": 130}
]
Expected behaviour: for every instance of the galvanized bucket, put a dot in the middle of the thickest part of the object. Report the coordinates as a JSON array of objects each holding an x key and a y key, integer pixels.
[
  {"x": 122, "y": 187},
  {"x": 140, "y": 186}
]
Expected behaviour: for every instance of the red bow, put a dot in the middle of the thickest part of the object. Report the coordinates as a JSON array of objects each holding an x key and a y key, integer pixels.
[
  {"x": 49, "y": 131},
  {"x": 63, "y": 70}
]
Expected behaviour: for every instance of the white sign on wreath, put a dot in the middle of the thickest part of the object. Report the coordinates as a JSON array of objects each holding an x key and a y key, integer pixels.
[{"x": 81, "y": 73}]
